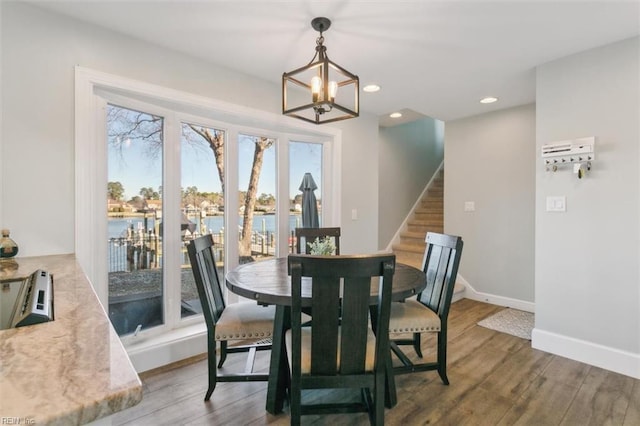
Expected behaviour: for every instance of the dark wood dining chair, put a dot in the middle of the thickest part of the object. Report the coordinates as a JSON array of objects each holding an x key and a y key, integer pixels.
[
  {"x": 429, "y": 312},
  {"x": 244, "y": 321},
  {"x": 339, "y": 350},
  {"x": 305, "y": 236}
]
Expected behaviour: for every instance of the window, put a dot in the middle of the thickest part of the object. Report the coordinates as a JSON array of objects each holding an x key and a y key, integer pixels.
[
  {"x": 134, "y": 201},
  {"x": 200, "y": 148},
  {"x": 304, "y": 157},
  {"x": 257, "y": 188},
  {"x": 202, "y": 202}
]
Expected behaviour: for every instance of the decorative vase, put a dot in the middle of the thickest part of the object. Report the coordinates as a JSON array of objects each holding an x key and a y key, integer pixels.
[{"x": 8, "y": 247}]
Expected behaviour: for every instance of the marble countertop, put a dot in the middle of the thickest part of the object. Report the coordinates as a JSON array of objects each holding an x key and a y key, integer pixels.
[{"x": 72, "y": 370}]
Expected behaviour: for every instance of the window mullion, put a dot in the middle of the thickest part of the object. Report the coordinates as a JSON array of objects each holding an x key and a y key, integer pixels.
[
  {"x": 231, "y": 199},
  {"x": 171, "y": 242}
]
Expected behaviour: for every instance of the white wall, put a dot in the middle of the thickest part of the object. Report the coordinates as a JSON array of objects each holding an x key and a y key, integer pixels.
[
  {"x": 587, "y": 259},
  {"x": 410, "y": 154},
  {"x": 490, "y": 160},
  {"x": 1, "y": 115},
  {"x": 39, "y": 52}
]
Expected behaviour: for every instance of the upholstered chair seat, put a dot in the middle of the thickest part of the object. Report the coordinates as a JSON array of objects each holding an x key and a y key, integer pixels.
[
  {"x": 245, "y": 320},
  {"x": 412, "y": 316}
]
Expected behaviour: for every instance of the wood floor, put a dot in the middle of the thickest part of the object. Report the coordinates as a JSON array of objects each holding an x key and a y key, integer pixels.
[{"x": 496, "y": 379}]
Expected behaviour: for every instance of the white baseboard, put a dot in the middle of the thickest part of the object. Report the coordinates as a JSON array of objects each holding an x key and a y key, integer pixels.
[
  {"x": 166, "y": 349},
  {"x": 471, "y": 293},
  {"x": 611, "y": 359}
]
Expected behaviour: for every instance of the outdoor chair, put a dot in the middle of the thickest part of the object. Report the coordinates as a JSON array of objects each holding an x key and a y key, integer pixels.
[
  {"x": 305, "y": 236},
  {"x": 246, "y": 321},
  {"x": 428, "y": 313},
  {"x": 339, "y": 350}
]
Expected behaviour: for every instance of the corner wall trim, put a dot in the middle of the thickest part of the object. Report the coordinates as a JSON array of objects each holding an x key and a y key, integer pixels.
[
  {"x": 471, "y": 293},
  {"x": 611, "y": 359}
]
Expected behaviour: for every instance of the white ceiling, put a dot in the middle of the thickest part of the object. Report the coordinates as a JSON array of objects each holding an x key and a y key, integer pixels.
[{"x": 436, "y": 58}]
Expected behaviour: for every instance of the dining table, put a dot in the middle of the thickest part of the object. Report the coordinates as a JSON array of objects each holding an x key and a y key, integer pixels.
[{"x": 268, "y": 283}]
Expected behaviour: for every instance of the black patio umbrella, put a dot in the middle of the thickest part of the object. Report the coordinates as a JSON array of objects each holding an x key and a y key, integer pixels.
[{"x": 309, "y": 203}]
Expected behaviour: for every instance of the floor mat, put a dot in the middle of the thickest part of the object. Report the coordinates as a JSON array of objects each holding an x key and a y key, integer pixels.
[{"x": 511, "y": 321}]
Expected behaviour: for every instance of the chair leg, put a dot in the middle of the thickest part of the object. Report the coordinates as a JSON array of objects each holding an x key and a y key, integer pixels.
[
  {"x": 379, "y": 398},
  {"x": 223, "y": 353},
  {"x": 295, "y": 404},
  {"x": 390, "y": 396},
  {"x": 416, "y": 344},
  {"x": 442, "y": 356},
  {"x": 213, "y": 371}
]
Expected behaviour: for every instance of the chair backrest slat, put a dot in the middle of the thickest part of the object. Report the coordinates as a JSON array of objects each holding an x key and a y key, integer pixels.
[
  {"x": 355, "y": 317},
  {"x": 325, "y": 306},
  {"x": 440, "y": 265},
  {"x": 205, "y": 274}
]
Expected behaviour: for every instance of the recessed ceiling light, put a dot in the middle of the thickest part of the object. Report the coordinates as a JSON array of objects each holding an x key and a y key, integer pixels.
[
  {"x": 395, "y": 115},
  {"x": 371, "y": 88},
  {"x": 488, "y": 100}
]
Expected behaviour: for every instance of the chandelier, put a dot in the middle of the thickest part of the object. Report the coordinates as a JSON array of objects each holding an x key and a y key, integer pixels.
[{"x": 332, "y": 90}]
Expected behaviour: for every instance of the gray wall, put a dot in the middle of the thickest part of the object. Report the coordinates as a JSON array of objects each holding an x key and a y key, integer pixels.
[
  {"x": 490, "y": 160},
  {"x": 409, "y": 156},
  {"x": 39, "y": 52},
  {"x": 587, "y": 259}
]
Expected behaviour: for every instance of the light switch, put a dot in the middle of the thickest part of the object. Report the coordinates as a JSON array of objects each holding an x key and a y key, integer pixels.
[
  {"x": 354, "y": 214},
  {"x": 469, "y": 206},
  {"x": 557, "y": 203}
]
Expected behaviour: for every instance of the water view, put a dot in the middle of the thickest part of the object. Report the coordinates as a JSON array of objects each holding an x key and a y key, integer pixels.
[{"x": 117, "y": 227}]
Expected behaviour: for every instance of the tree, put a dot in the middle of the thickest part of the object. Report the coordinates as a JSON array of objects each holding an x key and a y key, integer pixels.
[
  {"x": 266, "y": 199},
  {"x": 149, "y": 194},
  {"x": 215, "y": 139},
  {"x": 137, "y": 202},
  {"x": 261, "y": 144},
  {"x": 126, "y": 125},
  {"x": 115, "y": 191},
  {"x": 191, "y": 193}
]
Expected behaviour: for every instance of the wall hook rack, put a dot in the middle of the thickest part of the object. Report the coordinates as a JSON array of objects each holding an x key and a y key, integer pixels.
[{"x": 577, "y": 152}]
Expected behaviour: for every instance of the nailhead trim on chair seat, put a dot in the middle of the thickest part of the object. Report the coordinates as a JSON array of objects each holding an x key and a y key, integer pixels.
[
  {"x": 412, "y": 316},
  {"x": 245, "y": 320}
]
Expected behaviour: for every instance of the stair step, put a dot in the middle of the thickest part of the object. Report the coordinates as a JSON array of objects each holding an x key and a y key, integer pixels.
[
  {"x": 428, "y": 214},
  {"x": 425, "y": 228},
  {"x": 426, "y": 221},
  {"x": 409, "y": 258},
  {"x": 414, "y": 236},
  {"x": 410, "y": 248},
  {"x": 432, "y": 202}
]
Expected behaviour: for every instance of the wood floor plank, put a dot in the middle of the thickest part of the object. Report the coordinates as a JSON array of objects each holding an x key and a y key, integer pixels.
[
  {"x": 603, "y": 399},
  {"x": 495, "y": 379},
  {"x": 632, "y": 416},
  {"x": 544, "y": 403},
  {"x": 516, "y": 373}
]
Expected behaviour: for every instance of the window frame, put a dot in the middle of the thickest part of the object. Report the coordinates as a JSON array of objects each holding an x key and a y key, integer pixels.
[{"x": 95, "y": 89}]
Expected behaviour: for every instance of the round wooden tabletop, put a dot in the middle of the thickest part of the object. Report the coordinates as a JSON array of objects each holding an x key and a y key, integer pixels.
[{"x": 267, "y": 281}]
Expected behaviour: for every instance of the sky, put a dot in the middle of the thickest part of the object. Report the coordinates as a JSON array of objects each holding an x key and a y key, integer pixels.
[{"x": 135, "y": 167}]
